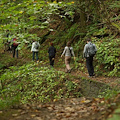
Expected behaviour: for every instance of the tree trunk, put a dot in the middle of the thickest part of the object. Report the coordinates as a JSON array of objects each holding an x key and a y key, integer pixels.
[{"x": 82, "y": 17}]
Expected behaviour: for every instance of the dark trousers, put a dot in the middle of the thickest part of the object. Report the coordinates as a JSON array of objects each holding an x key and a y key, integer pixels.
[
  {"x": 51, "y": 58},
  {"x": 15, "y": 51},
  {"x": 89, "y": 64},
  {"x": 35, "y": 54}
]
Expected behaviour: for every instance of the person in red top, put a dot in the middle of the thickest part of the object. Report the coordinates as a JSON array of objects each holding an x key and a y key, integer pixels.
[{"x": 14, "y": 47}]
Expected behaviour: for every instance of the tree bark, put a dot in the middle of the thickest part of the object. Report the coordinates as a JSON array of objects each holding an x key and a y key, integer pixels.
[{"x": 82, "y": 16}]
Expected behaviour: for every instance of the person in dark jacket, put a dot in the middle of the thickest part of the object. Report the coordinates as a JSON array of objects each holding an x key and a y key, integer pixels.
[
  {"x": 89, "y": 59},
  {"x": 52, "y": 52}
]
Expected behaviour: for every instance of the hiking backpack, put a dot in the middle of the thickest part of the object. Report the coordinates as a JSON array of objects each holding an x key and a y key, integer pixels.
[
  {"x": 52, "y": 51},
  {"x": 91, "y": 50},
  {"x": 15, "y": 42},
  {"x": 36, "y": 46},
  {"x": 70, "y": 52}
]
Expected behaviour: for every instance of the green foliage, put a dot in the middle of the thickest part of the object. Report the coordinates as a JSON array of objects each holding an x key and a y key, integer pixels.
[
  {"x": 116, "y": 115},
  {"x": 30, "y": 18},
  {"x": 24, "y": 16},
  {"x": 70, "y": 85},
  {"x": 31, "y": 82},
  {"x": 8, "y": 102},
  {"x": 28, "y": 14},
  {"x": 108, "y": 53},
  {"x": 34, "y": 83},
  {"x": 1, "y": 66},
  {"x": 109, "y": 93},
  {"x": 114, "y": 4}
]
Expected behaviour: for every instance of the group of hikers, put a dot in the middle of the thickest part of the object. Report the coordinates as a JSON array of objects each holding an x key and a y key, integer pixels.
[
  {"x": 88, "y": 53},
  {"x": 11, "y": 45}
]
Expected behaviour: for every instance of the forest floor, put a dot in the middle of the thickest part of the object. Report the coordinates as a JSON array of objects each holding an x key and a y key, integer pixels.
[{"x": 66, "y": 109}]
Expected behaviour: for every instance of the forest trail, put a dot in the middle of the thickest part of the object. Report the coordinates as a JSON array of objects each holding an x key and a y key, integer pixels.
[
  {"x": 111, "y": 81},
  {"x": 64, "y": 109}
]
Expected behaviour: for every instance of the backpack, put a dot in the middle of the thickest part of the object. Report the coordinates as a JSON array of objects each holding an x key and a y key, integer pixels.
[
  {"x": 15, "y": 42},
  {"x": 70, "y": 52},
  {"x": 52, "y": 51},
  {"x": 36, "y": 46},
  {"x": 91, "y": 50}
]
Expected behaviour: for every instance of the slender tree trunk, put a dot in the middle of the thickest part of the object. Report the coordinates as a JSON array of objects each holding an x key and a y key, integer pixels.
[{"x": 82, "y": 17}]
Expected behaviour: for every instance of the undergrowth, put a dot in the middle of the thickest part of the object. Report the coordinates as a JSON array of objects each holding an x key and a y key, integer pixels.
[{"x": 33, "y": 83}]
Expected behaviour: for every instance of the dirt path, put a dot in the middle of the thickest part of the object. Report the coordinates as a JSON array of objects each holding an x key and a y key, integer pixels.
[
  {"x": 111, "y": 81},
  {"x": 64, "y": 109}
]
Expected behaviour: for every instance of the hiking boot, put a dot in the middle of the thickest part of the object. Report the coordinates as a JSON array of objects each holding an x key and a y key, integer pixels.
[
  {"x": 69, "y": 71},
  {"x": 90, "y": 76}
]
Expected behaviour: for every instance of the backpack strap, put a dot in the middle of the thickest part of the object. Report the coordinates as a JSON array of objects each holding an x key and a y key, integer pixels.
[{"x": 70, "y": 51}]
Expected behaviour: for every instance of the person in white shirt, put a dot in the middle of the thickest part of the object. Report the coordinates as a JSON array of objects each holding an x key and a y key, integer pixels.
[
  {"x": 68, "y": 52},
  {"x": 35, "y": 49}
]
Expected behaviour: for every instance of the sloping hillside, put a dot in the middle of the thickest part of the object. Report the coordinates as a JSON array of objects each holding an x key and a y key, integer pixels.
[{"x": 64, "y": 21}]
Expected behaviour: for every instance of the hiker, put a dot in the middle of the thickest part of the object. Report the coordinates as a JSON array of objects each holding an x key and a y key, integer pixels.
[
  {"x": 88, "y": 53},
  {"x": 68, "y": 52},
  {"x": 14, "y": 47},
  {"x": 35, "y": 49},
  {"x": 52, "y": 52},
  {"x": 9, "y": 41},
  {"x": 5, "y": 45},
  {"x": 6, "y": 42}
]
